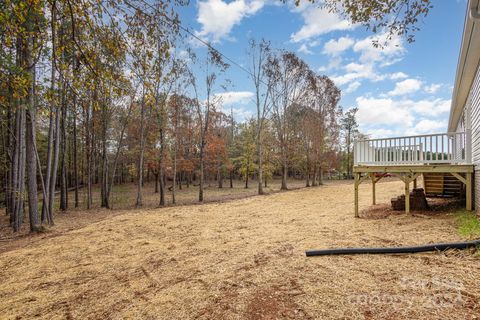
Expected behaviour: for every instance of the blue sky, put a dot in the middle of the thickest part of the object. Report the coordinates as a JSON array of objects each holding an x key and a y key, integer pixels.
[{"x": 403, "y": 89}]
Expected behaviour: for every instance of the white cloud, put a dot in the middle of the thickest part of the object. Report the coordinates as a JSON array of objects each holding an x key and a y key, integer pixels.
[
  {"x": 383, "y": 117},
  {"x": 334, "y": 63},
  {"x": 433, "y": 88},
  {"x": 355, "y": 72},
  {"x": 218, "y": 17},
  {"x": 357, "y": 67},
  {"x": 370, "y": 58},
  {"x": 335, "y": 47},
  {"x": 353, "y": 86},
  {"x": 235, "y": 97},
  {"x": 434, "y": 107},
  {"x": 304, "y": 49},
  {"x": 379, "y": 111},
  {"x": 398, "y": 75},
  {"x": 318, "y": 21},
  {"x": 389, "y": 53},
  {"x": 382, "y": 133},
  {"x": 406, "y": 86},
  {"x": 427, "y": 126}
]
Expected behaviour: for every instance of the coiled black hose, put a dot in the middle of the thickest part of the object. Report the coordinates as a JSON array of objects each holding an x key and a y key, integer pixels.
[{"x": 414, "y": 249}]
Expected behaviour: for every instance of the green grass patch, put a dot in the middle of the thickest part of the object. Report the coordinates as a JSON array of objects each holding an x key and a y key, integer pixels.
[{"x": 468, "y": 224}]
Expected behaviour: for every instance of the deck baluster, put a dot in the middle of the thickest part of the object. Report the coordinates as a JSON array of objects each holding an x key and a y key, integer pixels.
[{"x": 422, "y": 149}]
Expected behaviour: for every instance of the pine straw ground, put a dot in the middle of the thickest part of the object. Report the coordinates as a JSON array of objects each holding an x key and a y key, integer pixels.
[{"x": 244, "y": 259}]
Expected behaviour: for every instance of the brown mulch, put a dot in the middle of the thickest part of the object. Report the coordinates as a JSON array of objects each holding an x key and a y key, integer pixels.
[{"x": 244, "y": 259}]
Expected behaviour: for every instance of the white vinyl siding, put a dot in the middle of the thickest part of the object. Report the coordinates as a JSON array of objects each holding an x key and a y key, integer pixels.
[{"x": 473, "y": 104}]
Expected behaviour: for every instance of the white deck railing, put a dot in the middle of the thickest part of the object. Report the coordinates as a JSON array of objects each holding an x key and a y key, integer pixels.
[{"x": 454, "y": 147}]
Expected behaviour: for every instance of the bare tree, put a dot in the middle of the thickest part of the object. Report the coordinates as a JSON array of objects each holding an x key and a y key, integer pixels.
[
  {"x": 350, "y": 128},
  {"x": 214, "y": 65},
  {"x": 259, "y": 55},
  {"x": 287, "y": 76},
  {"x": 139, "y": 201}
]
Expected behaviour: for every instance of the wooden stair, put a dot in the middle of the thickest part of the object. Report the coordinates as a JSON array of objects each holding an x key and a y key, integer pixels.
[{"x": 442, "y": 185}]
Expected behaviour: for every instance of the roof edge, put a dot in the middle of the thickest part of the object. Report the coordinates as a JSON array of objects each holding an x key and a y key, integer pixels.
[{"x": 467, "y": 65}]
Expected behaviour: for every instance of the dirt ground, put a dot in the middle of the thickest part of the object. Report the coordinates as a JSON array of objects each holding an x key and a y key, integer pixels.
[
  {"x": 123, "y": 198},
  {"x": 244, "y": 259}
]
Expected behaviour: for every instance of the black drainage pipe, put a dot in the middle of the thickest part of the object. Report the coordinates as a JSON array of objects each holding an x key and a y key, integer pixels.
[{"x": 415, "y": 249}]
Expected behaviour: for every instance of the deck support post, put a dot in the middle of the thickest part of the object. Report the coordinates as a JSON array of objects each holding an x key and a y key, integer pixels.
[
  {"x": 407, "y": 178},
  {"x": 468, "y": 188},
  {"x": 468, "y": 191},
  {"x": 409, "y": 173},
  {"x": 374, "y": 181},
  {"x": 358, "y": 180},
  {"x": 407, "y": 195}
]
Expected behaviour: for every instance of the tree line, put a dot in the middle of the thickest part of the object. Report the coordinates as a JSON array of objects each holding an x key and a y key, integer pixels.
[{"x": 108, "y": 92}]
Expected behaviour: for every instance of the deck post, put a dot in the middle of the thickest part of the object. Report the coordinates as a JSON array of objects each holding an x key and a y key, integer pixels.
[
  {"x": 468, "y": 191},
  {"x": 357, "y": 182},
  {"x": 410, "y": 173},
  {"x": 374, "y": 181},
  {"x": 407, "y": 195}
]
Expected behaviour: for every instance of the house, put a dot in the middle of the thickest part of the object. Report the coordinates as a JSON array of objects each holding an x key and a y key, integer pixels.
[
  {"x": 448, "y": 162},
  {"x": 465, "y": 109}
]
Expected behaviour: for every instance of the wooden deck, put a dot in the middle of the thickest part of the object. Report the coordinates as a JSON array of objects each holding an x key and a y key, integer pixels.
[
  {"x": 409, "y": 173},
  {"x": 440, "y": 148}
]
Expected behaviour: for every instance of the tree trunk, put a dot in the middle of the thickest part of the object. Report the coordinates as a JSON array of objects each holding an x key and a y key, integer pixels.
[
  {"x": 56, "y": 151},
  {"x": 88, "y": 151},
  {"x": 162, "y": 187},
  {"x": 157, "y": 181},
  {"x": 200, "y": 189},
  {"x": 104, "y": 185},
  {"x": 75, "y": 152},
  {"x": 9, "y": 145},
  {"x": 16, "y": 216},
  {"x": 260, "y": 165},
  {"x": 6, "y": 163},
  {"x": 161, "y": 169},
  {"x": 174, "y": 185},
  {"x": 46, "y": 207},
  {"x": 314, "y": 176},
  {"x": 63, "y": 167},
  {"x": 48, "y": 173},
  {"x": 139, "y": 201},
  {"x": 15, "y": 164},
  {"x": 284, "y": 173},
  {"x": 220, "y": 176},
  {"x": 31, "y": 158},
  {"x": 175, "y": 151}
]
